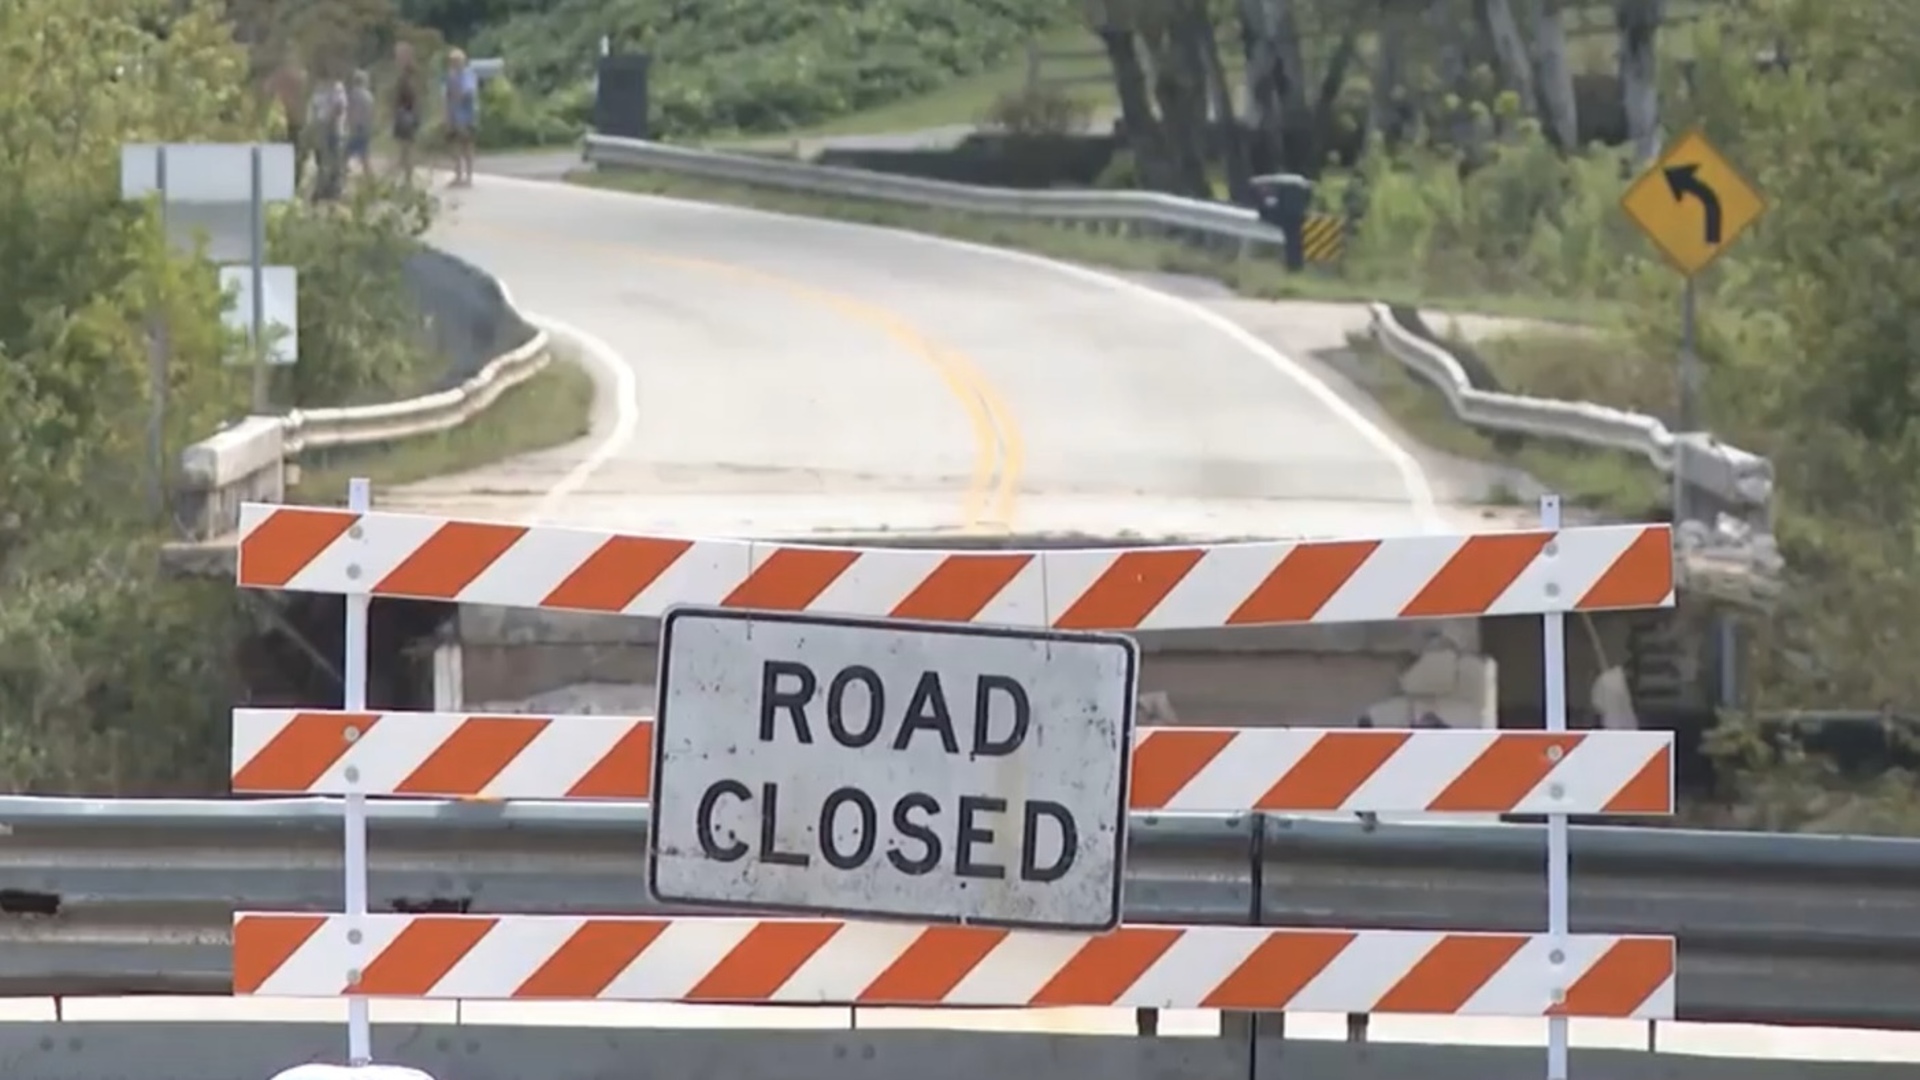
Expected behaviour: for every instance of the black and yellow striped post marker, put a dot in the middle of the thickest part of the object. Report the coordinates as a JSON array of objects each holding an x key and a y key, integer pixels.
[{"x": 1324, "y": 238}]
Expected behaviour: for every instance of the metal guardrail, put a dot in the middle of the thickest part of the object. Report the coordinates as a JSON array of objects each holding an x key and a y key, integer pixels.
[
  {"x": 1726, "y": 492},
  {"x": 246, "y": 461},
  {"x": 1723, "y": 498},
  {"x": 1211, "y": 223},
  {"x": 135, "y": 896}
]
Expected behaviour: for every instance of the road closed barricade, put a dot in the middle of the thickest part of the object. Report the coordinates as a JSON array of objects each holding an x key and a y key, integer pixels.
[{"x": 904, "y": 777}]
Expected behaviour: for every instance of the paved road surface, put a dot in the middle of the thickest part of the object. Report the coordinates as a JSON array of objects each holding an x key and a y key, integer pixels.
[
  {"x": 782, "y": 375},
  {"x": 1675, "y": 1039}
]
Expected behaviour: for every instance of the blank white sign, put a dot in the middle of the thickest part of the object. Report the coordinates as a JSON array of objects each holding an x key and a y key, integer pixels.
[
  {"x": 874, "y": 768},
  {"x": 282, "y": 309},
  {"x": 206, "y": 172}
]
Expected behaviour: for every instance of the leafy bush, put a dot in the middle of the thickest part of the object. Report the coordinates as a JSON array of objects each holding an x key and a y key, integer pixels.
[
  {"x": 509, "y": 118},
  {"x": 111, "y": 680},
  {"x": 1523, "y": 220},
  {"x": 1037, "y": 110},
  {"x": 360, "y": 336}
]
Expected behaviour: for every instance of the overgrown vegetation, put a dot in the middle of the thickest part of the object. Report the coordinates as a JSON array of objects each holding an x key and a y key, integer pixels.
[
  {"x": 1805, "y": 327},
  {"x": 729, "y": 65},
  {"x": 1806, "y": 337},
  {"x": 111, "y": 678}
]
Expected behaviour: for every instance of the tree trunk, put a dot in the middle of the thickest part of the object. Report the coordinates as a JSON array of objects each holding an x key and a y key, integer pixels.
[
  {"x": 1509, "y": 51},
  {"x": 1199, "y": 26},
  {"x": 1331, "y": 81},
  {"x": 1443, "y": 28},
  {"x": 1639, "y": 24},
  {"x": 1553, "y": 74},
  {"x": 1387, "y": 112},
  {"x": 1179, "y": 86},
  {"x": 1145, "y": 137},
  {"x": 1262, "y": 77},
  {"x": 1277, "y": 85}
]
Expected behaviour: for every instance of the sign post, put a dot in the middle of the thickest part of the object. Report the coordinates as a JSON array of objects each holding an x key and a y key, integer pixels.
[
  {"x": 1693, "y": 204},
  {"x": 873, "y": 768},
  {"x": 217, "y": 193}
]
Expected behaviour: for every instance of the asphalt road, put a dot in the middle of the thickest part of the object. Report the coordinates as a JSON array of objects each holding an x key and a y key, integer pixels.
[{"x": 773, "y": 375}]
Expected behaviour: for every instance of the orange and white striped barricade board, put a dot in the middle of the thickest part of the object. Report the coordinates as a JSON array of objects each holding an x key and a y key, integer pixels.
[
  {"x": 1547, "y": 572},
  {"x": 1191, "y": 770},
  {"x": 377, "y": 554},
  {"x": 734, "y": 960}
]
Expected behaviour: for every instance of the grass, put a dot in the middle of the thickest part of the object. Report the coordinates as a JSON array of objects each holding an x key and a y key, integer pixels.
[
  {"x": 1600, "y": 367},
  {"x": 1262, "y": 279},
  {"x": 552, "y": 408}
]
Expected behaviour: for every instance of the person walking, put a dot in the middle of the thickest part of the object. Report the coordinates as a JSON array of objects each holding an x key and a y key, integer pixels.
[
  {"x": 360, "y": 116},
  {"x": 287, "y": 85},
  {"x": 406, "y": 107},
  {"x": 326, "y": 132},
  {"x": 462, "y": 87}
]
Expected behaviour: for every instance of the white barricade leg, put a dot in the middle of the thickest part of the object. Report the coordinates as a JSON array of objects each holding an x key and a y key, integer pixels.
[
  {"x": 354, "y": 824},
  {"x": 1554, "y": 701},
  {"x": 351, "y": 1072}
]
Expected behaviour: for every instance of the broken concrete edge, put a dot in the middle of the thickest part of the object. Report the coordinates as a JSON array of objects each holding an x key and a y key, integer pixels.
[
  {"x": 234, "y": 453},
  {"x": 1439, "y": 685},
  {"x": 482, "y": 625},
  {"x": 1431, "y": 684}
]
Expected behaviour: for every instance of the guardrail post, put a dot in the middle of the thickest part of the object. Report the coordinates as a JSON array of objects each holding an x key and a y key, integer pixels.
[
  {"x": 1251, "y": 1028},
  {"x": 354, "y": 813}
]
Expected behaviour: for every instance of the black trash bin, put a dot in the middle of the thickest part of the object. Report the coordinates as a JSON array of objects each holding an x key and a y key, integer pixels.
[
  {"x": 1283, "y": 202},
  {"x": 620, "y": 98}
]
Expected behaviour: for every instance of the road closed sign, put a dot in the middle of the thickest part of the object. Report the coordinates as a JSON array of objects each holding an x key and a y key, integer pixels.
[{"x": 877, "y": 768}]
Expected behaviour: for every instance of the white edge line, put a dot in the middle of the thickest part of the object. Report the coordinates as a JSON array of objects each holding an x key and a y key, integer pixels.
[
  {"x": 626, "y": 405},
  {"x": 1412, "y": 477}
]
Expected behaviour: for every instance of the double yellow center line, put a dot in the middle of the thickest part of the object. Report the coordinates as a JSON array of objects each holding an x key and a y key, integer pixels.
[{"x": 999, "y": 453}]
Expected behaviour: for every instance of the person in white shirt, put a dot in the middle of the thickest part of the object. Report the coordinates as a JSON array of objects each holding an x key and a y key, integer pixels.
[{"x": 326, "y": 127}]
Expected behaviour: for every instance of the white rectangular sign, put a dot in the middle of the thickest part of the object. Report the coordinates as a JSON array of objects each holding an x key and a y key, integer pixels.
[
  {"x": 881, "y": 768},
  {"x": 206, "y": 172},
  {"x": 282, "y": 309}
]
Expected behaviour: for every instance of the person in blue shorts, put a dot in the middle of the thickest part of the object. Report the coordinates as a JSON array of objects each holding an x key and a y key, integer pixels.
[{"x": 463, "y": 115}]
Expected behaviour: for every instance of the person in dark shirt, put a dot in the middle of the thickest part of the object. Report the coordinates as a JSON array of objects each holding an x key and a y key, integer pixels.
[{"x": 406, "y": 107}]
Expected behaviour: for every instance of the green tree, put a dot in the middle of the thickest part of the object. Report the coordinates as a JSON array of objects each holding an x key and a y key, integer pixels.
[
  {"x": 112, "y": 679},
  {"x": 79, "y": 268},
  {"x": 361, "y": 340},
  {"x": 1819, "y": 368},
  {"x": 1809, "y": 333}
]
